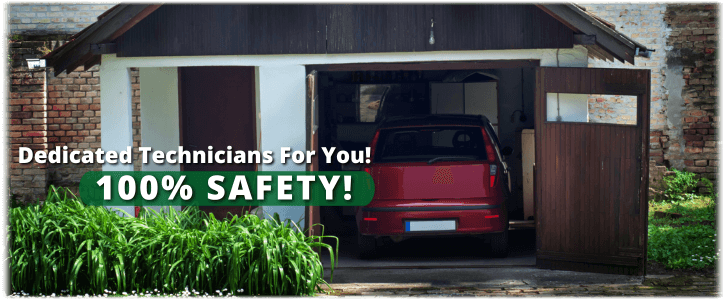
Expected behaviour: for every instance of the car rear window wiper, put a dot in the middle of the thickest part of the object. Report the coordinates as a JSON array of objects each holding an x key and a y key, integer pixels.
[{"x": 440, "y": 158}]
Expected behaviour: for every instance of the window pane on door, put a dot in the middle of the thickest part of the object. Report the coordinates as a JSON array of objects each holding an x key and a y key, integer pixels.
[{"x": 592, "y": 108}]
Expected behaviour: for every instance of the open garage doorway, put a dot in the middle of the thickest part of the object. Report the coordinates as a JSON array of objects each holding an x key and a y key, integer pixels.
[{"x": 352, "y": 99}]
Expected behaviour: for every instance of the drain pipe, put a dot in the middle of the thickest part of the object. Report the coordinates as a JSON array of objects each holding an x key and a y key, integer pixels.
[{"x": 646, "y": 50}]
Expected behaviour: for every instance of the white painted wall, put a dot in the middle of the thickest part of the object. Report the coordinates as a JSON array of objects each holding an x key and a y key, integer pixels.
[
  {"x": 116, "y": 126},
  {"x": 481, "y": 99},
  {"x": 281, "y": 90},
  {"x": 572, "y": 107},
  {"x": 159, "y": 115}
]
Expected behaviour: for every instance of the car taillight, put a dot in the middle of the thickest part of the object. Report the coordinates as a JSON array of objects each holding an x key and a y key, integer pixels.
[
  {"x": 491, "y": 156},
  {"x": 367, "y": 169},
  {"x": 492, "y": 175},
  {"x": 373, "y": 144}
]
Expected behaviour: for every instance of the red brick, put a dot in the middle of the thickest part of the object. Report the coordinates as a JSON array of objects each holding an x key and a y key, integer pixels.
[
  {"x": 24, "y": 101},
  {"x": 34, "y": 95},
  {"x": 696, "y": 169},
  {"x": 65, "y": 114},
  {"x": 690, "y": 137},
  {"x": 692, "y": 150},
  {"x": 20, "y": 127},
  {"x": 709, "y": 150},
  {"x": 700, "y": 126},
  {"x": 21, "y": 115},
  {"x": 33, "y": 133}
]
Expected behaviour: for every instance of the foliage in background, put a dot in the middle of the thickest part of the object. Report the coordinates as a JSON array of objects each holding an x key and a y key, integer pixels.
[
  {"x": 685, "y": 242},
  {"x": 682, "y": 183},
  {"x": 66, "y": 247}
]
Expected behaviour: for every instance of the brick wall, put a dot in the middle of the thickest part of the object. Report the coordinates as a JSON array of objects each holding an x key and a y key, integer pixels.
[
  {"x": 42, "y": 19},
  {"x": 692, "y": 44},
  {"x": 644, "y": 23},
  {"x": 48, "y": 111},
  {"x": 683, "y": 93},
  {"x": 27, "y": 113}
]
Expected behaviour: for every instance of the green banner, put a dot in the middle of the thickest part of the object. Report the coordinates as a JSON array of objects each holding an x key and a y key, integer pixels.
[{"x": 197, "y": 188}]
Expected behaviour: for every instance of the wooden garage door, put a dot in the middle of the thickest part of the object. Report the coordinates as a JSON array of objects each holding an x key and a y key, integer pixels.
[
  {"x": 218, "y": 109},
  {"x": 591, "y": 186}
]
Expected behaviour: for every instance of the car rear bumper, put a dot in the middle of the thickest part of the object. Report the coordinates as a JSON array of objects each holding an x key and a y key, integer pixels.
[{"x": 390, "y": 217}]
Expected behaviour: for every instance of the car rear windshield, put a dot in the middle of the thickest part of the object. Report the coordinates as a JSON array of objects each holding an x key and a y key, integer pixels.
[{"x": 416, "y": 144}]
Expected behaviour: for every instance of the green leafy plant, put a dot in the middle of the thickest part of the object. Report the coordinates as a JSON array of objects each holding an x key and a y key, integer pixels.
[
  {"x": 67, "y": 248},
  {"x": 682, "y": 247},
  {"x": 683, "y": 183}
]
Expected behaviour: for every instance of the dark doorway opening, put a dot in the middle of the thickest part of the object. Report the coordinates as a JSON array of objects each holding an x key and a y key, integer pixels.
[{"x": 352, "y": 98}]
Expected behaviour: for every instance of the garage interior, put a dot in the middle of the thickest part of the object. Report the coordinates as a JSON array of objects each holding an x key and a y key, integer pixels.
[{"x": 350, "y": 104}]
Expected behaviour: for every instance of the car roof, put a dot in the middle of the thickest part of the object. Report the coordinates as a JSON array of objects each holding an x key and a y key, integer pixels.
[{"x": 426, "y": 120}]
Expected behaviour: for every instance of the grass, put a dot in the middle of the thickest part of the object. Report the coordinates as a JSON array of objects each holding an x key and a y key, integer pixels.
[
  {"x": 686, "y": 242},
  {"x": 67, "y": 248}
]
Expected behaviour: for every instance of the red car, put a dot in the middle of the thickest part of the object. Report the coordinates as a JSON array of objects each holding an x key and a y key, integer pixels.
[{"x": 435, "y": 175}]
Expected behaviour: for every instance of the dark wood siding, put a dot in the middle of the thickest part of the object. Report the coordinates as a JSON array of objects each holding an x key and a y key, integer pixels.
[
  {"x": 590, "y": 197},
  {"x": 180, "y": 30}
]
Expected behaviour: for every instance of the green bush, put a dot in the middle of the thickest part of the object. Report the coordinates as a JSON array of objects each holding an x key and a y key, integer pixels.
[
  {"x": 66, "y": 247},
  {"x": 682, "y": 184}
]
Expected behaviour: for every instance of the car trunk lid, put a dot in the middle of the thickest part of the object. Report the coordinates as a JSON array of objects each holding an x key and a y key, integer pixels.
[{"x": 438, "y": 180}]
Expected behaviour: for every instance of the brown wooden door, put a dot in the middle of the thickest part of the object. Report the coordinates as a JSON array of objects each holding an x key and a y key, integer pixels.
[
  {"x": 217, "y": 106},
  {"x": 591, "y": 196},
  {"x": 312, "y": 213}
]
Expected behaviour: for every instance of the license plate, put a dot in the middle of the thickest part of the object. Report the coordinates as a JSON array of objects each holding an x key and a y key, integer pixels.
[{"x": 438, "y": 225}]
